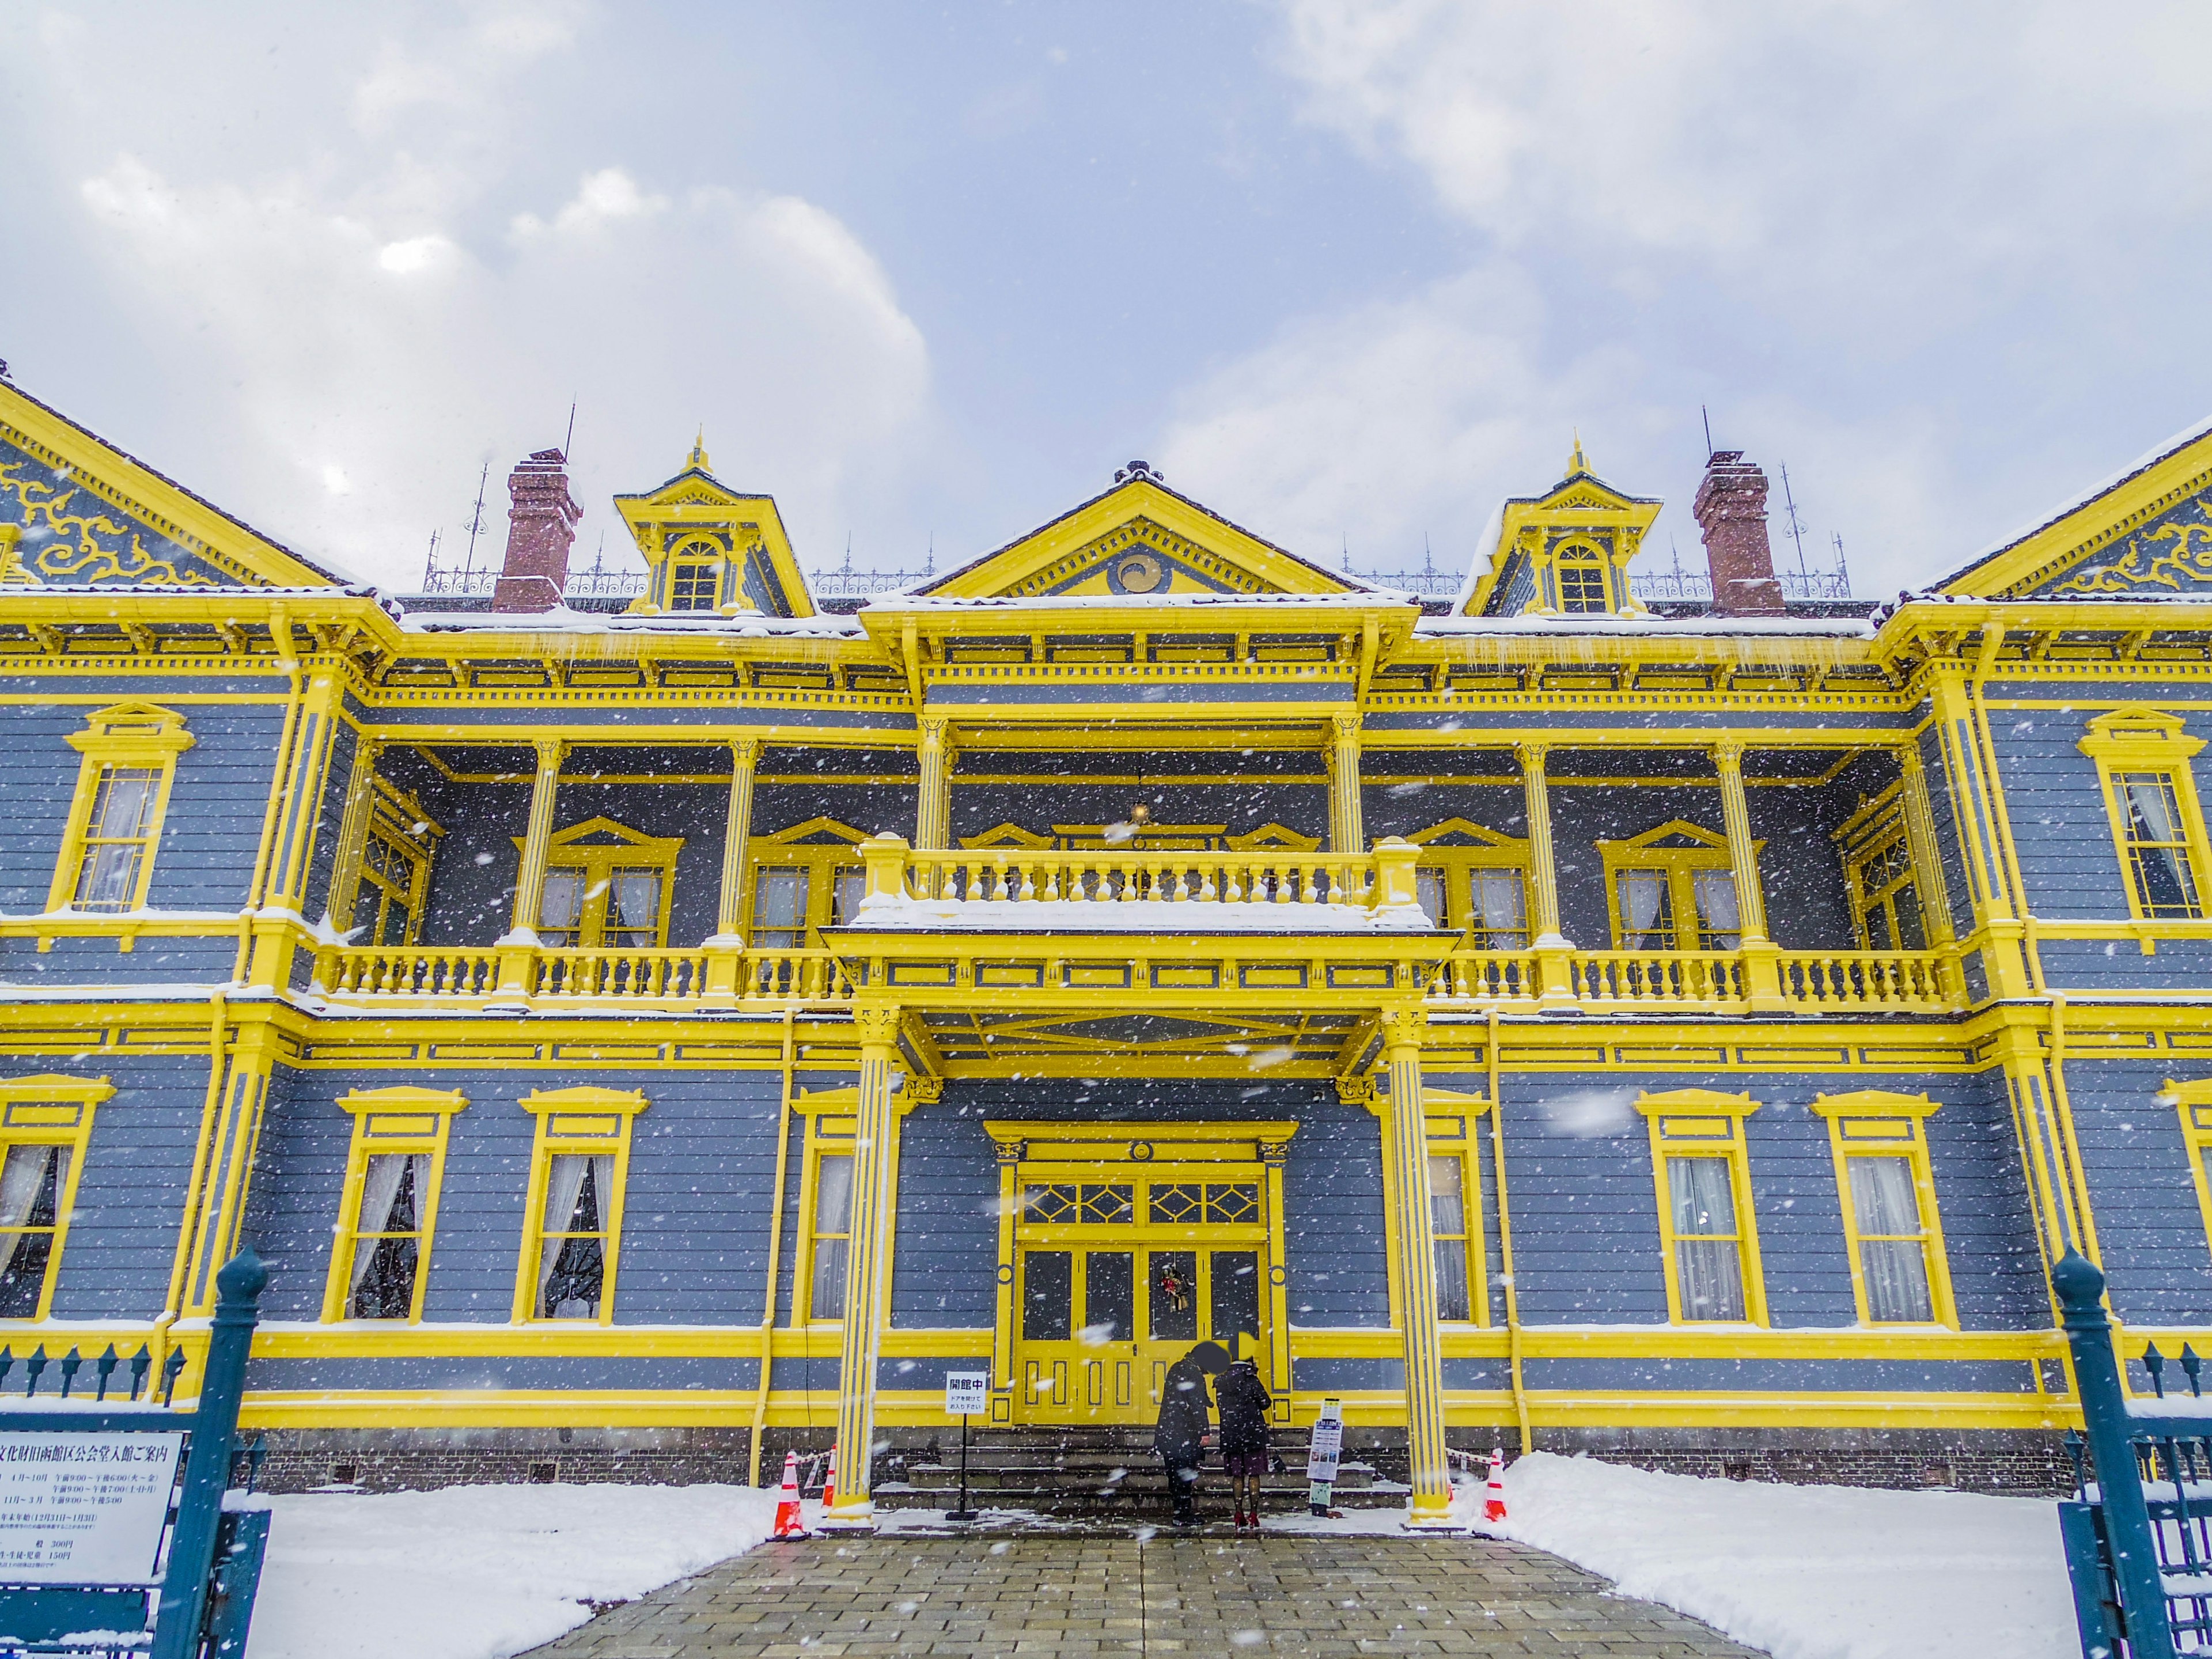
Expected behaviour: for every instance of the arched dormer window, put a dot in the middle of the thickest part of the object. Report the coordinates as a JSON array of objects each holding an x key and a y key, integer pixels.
[
  {"x": 1579, "y": 569},
  {"x": 695, "y": 577}
]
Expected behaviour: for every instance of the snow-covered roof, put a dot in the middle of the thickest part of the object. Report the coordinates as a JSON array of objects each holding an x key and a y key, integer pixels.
[
  {"x": 562, "y": 620},
  {"x": 1649, "y": 626}
]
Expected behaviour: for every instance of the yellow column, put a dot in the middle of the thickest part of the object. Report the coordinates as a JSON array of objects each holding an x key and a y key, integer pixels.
[
  {"x": 867, "y": 1265},
  {"x": 933, "y": 809},
  {"x": 745, "y": 754},
  {"x": 1406, "y": 1136},
  {"x": 530, "y": 877},
  {"x": 215, "y": 1227},
  {"x": 1346, "y": 833},
  {"x": 275, "y": 928},
  {"x": 1554, "y": 969},
  {"x": 353, "y": 833},
  {"x": 1973, "y": 795},
  {"x": 1762, "y": 981},
  {"x": 1920, "y": 844}
]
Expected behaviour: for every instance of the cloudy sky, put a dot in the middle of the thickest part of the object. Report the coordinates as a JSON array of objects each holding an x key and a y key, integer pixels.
[{"x": 1349, "y": 272}]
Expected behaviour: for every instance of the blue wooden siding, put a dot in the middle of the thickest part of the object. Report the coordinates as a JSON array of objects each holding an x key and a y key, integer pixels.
[
  {"x": 2150, "y": 1229},
  {"x": 130, "y": 1196},
  {"x": 945, "y": 1262},
  {"x": 1335, "y": 1246},
  {"x": 38, "y": 779},
  {"x": 2068, "y": 860},
  {"x": 329, "y": 819},
  {"x": 1944, "y": 809}
]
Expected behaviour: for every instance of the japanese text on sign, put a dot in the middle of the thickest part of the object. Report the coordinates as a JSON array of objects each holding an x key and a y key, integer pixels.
[{"x": 84, "y": 1509}]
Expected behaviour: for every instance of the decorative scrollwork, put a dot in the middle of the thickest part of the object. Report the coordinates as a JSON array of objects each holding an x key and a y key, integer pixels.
[
  {"x": 61, "y": 546},
  {"x": 2183, "y": 561}
]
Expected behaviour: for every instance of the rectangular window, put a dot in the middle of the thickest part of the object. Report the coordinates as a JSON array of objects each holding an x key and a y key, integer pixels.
[
  {"x": 694, "y": 585},
  {"x": 2155, "y": 838},
  {"x": 118, "y": 839},
  {"x": 633, "y": 920},
  {"x": 573, "y": 1218},
  {"x": 1582, "y": 586},
  {"x": 1883, "y": 887},
  {"x": 833, "y": 1235},
  {"x": 560, "y": 908},
  {"x": 1647, "y": 911},
  {"x": 1708, "y": 1237},
  {"x": 1719, "y": 928},
  {"x": 1498, "y": 917},
  {"x": 1892, "y": 1244},
  {"x": 1447, "y": 1209},
  {"x": 780, "y": 909},
  {"x": 33, "y": 1180},
  {"x": 571, "y": 1262},
  {"x": 387, "y": 1241},
  {"x": 1880, "y": 1140},
  {"x": 1708, "y": 1248},
  {"x": 847, "y": 888},
  {"x": 1428, "y": 885}
]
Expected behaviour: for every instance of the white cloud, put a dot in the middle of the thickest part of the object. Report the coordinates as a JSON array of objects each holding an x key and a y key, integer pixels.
[
  {"x": 1840, "y": 224},
  {"x": 374, "y": 330}
]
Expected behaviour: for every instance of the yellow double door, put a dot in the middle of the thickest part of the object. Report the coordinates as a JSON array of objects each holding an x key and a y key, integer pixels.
[{"x": 1100, "y": 1320}]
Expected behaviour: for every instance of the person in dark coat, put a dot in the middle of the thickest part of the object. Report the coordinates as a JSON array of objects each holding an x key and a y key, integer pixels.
[
  {"x": 1244, "y": 1408},
  {"x": 1179, "y": 1435}
]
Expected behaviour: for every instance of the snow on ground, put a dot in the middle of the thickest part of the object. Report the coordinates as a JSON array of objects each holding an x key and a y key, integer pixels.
[
  {"x": 1809, "y": 1572},
  {"x": 481, "y": 1572}
]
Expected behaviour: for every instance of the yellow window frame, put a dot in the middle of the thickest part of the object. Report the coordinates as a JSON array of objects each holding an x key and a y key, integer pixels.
[
  {"x": 1702, "y": 1123},
  {"x": 1866, "y": 842},
  {"x": 572, "y": 849},
  {"x": 52, "y": 1111},
  {"x": 2194, "y": 1103},
  {"x": 694, "y": 555},
  {"x": 1875, "y": 1123},
  {"x": 1457, "y": 848},
  {"x": 1451, "y": 1119},
  {"x": 397, "y": 819},
  {"x": 122, "y": 736},
  {"x": 822, "y": 847},
  {"x": 586, "y": 1122},
  {"x": 832, "y": 1126},
  {"x": 406, "y": 1122},
  {"x": 2133, "y": 742},
  {"x": 1582, "y": 554},
  {"x": 1680, "y": 866}
]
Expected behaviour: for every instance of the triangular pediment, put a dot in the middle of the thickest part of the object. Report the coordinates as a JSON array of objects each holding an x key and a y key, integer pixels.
[
  {"x": 2144, "y": 533},
  {"x": 815, "y": 832},
  {"x": 76, "y": 512},
  {"x": 696, "y": 509},
  {"x": 1140, "y": 540},
  {"x": 1582, "y": 510},
  {"x": 1462, "y": 832}
]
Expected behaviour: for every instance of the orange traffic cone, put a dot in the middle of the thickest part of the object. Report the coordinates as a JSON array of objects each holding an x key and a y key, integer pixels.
[
  {"x": 829, "y": 1482},
  {"x": 1493, "y": 1503},
  {"x": 789, "y": 1522}
]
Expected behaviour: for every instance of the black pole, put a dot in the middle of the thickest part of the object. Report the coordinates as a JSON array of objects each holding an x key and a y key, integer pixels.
[{"x": 963, "y": 1513}]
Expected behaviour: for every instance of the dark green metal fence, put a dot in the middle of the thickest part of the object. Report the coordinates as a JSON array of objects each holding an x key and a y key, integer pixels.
[
  {"x": 2138, "y": 1535},
  {"x": 200, "y": 1605}
]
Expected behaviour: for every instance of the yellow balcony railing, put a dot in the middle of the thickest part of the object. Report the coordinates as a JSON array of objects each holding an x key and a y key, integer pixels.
[
  {"x": 1807, "y": 981},
  {"x": 495, "y": 975}
]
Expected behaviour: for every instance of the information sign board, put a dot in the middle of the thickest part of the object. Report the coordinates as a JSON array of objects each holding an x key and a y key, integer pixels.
[
  {"x": 967, "y": 1394},
  {"x": 84, "y": 1509},
  {"x": 1327, "y": 1445}
]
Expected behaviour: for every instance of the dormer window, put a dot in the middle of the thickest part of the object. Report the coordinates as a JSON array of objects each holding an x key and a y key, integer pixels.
[
  {"x": 1581, "y": 570},
  {"x": 693, "y": 584}
]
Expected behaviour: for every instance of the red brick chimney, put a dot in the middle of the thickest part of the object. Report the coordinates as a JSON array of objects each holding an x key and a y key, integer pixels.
[
  {"x": 541, "y": 527},
  {"x": 1731, "y": 511}
]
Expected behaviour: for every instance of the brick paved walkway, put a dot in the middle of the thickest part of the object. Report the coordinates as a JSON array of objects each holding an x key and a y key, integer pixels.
[{"x": 1095, "y": 1595}]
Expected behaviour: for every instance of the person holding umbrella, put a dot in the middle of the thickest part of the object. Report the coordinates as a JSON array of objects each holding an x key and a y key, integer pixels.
[{"x": 1179, "y": 1437}]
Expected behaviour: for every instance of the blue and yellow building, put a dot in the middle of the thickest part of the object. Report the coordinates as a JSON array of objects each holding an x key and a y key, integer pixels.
[{"x": 667, "y": 1027}]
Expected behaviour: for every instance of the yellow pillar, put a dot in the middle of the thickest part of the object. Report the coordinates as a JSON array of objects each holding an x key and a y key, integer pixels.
[
  {"x": 1346, "y": 832},
  {"x": 353, "y": 833},
  {"x": 1762, "y": 981},
  {"x": 867, "y": 1265},
  {"x": 275, "y": 928},
  {"x": 745, "y": 756},
  {"x": 932, "y": 814},
  {"x": 1920, "y": 844},
  {"x": 1406, "y": 1136},
  {"x": 237, "y": 1136},
  {"x": 1973, "y": 795},
  {"x": 530, "y": 877},
  {"x": 1554, "y": 968}
]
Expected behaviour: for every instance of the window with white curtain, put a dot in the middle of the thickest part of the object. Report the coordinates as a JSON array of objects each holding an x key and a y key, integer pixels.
[
  {"x": 572, "y": 1257},
  {"x": 1647, "y": 911},
  {"x": 31, "y": 1181},
  {"x": 561, "y": 907},
  {"x": 387, "y": 1251},
  {"x": 780, "y": 909},
  {"x": 833, "y": 1235},
  {"x": 633, "y": 910},
  {"x": 1447, "y": 1209},
  {"x": 2156, "y": 840},
  {"x": 1892, "y": 1239},
  {"x": 1719, "y": 926},
  {"x": 1708, "y": 1243}
]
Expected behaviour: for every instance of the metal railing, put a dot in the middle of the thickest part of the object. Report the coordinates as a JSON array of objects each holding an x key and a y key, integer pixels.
[
  {"x": 1697, "y": 586},
  {"x": 2138, "y": 1534},
  {"x": 596, "y": 583}
]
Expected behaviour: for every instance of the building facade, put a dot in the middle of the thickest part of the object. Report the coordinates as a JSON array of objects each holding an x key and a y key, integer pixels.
[{"x": 641, "y": 1032}]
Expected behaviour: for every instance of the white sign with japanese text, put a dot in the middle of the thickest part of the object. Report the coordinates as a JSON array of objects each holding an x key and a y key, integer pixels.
[
  {"x": 84, "y": 1509},
  {"x": 967, "y": 1394}
]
